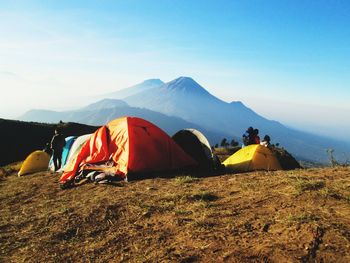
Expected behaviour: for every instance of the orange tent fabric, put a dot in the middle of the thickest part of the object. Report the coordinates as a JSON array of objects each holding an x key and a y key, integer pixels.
[{"x": 133, "y": 145}]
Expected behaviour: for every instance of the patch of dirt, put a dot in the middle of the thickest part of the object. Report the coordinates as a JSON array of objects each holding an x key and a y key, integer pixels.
[{"x": 282, "y": 216}]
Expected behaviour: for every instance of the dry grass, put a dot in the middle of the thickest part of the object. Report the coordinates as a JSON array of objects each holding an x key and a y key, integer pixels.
[
  {"x": 293, "y": 216},
  {"x": 185, "y": 179},
  {"x": 10, "y": 169}
]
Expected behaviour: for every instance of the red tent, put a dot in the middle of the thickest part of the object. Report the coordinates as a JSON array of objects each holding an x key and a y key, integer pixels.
[{"x": 129, "y": 144}]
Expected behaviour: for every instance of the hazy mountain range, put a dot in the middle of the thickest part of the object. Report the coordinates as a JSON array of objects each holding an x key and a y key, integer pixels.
[
  {"x": 101, "y": 112},
  {"x": 183, "y": 103}
]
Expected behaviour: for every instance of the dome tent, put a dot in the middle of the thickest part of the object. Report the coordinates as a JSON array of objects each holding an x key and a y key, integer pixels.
[
  {"x": 74, "y": 150},
  {"x": 195, "y": 144},
  {"x": 35, "y": 162},
  {"x": 252, "y": 157},
  {"x": 129, "y": 145}
]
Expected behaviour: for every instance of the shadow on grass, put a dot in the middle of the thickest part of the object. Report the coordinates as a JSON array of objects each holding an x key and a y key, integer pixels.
[{"x": 194, "y": 173}]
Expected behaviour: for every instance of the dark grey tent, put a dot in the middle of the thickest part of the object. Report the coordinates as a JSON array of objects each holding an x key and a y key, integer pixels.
[{"x": 195, "y": 144}]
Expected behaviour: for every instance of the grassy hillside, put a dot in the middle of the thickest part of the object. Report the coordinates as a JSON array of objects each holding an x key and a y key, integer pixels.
[
  {"x": 19, "y": 138},
  {"x": 284, "y": 216}
]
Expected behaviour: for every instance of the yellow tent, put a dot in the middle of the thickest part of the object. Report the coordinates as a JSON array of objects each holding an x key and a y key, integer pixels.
[
  {"x": 252, "y": 157},
  {"x": 35, "y": 162}
]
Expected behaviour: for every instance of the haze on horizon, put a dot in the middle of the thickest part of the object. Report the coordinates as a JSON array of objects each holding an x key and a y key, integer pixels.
[{"x": 287, "y": 60}]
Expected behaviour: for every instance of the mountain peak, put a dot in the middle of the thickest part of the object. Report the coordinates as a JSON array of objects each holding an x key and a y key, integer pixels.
[
  {"x": 237, "y": 102},
  {"x": 185, "y": 84},
  {"x": 184, "y": 80},
  {"x": 153, "y": 82}
]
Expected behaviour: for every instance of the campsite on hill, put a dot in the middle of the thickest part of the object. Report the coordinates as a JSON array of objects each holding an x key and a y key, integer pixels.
[
  {"x": 184, "y": 103},
  {"x": 232, "y": 214},
  {"x": 283, "y": 216},
  {"x": 175, "y": 131}
]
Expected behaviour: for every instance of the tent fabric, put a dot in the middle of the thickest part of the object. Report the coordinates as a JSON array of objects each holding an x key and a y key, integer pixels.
[
  {"x": 252, "y": 157},
  {"x": 66, "y": 149},
  {"x": 133, "y": 145},
  {"x": 195, "y": 144},
  {"x": 74, "y": 150},
  {"x": 69, "y": 142},
  {"x": 35, "y": 162}
]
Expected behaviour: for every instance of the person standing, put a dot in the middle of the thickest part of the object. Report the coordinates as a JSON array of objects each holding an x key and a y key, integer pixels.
[
  {"x": 256, "y": 138},
  {"x": 247, "y": 137},
  {"x": 266, "y": 141},
  {"x": 57, "y": 144}
]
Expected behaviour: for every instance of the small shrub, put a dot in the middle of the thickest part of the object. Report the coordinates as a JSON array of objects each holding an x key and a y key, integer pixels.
[
  {"x": 330, "y": 192},
  {"x": 223, "y": 142},
  {"x": 204, "y": 223},
  {"x": 203, "y": 196},
  {"x": 303, "y": 218},
  {"x": 182, "y": 212},
  {"x": 332, "y": 160},
  {"x": 185, "y": 179},
  {"x": 347, "y": 198},
  {"x": 303, "y": 185},
  {"x": 234, "y": 143}
]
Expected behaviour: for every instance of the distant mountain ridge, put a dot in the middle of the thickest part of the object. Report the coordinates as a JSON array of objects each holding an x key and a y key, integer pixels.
[
  {"x": 105, "y": 104},
  {"x": 186, "y": 102},
  {"x": 101, "y": 112},
  {"x": 185, "y": 98}
]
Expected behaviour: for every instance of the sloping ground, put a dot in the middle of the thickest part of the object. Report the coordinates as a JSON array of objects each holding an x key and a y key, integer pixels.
[
  {"x": 19, "y": 138},
  {"x": 284, "y": 216}
]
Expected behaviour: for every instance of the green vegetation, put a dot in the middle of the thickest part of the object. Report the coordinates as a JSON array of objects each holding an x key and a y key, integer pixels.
[
  {"x": 303, "y": 184},
  {"x": 224, "y": 143},
  {"x": 203, "y": 196},
  {"x": 303, "y": 218},
  {"x": 334, "y": 162},
  {"x": 186, "y": 179}
]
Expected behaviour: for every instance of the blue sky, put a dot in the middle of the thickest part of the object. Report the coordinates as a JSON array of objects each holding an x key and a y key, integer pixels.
[{"x": 287, "y": 60}]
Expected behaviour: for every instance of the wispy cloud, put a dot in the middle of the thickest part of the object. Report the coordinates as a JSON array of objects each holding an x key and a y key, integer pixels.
[{"x": 8, "y": 74}]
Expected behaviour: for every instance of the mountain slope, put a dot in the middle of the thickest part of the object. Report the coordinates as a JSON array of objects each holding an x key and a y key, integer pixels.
[
  {"x": 185, "y": 98},
  {"x": 101, "y": 112},
  {"x": 21, "y": 138},
  {"x": 105, "y": 104},
  {"x": 190, "y": 104},
  {"x": 180, "y": 97},
  {"x": 144, "y": 86}
]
